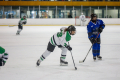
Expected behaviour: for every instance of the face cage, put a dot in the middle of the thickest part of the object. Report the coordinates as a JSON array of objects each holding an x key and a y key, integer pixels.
[
  {"x": 93, "y": 17},
  {"x": 24, "y": 17},
  {"x": 74, "y": 33}
]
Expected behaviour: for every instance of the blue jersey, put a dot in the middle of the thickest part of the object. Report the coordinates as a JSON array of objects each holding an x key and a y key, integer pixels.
[{"x": 92, "y": 28}]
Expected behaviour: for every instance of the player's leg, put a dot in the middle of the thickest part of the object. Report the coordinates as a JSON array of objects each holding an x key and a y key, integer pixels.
[
  {"x": 98, "y": 48},
  {"x": 19, "y": 29},
  {"x": 94, "y": 50},
  {"x": 63, "y": 56},
  {"x": 50, "y": 48}
]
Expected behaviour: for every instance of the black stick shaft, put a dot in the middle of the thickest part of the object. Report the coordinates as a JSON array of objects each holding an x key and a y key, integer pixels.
[{"x": 72, "y": 58}]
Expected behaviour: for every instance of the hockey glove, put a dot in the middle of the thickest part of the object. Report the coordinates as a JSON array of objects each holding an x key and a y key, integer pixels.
[
  {"x": 2, "y": 62},
  {"x": 100, "y": 29},
  {"x": 92, "y": 40},
  {"x": 69, "y": 48},
  {"x": 60, "y": 46},
  {"x": 24, "y": 22}
]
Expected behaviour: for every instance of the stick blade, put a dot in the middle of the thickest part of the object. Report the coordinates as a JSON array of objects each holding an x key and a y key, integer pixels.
[{"x": 80, "y": 61}]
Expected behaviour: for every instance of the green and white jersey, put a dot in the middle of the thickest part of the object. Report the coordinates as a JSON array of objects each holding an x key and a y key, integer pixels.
[
  {"x": 3, "y": 54},
  {"x": 60, "y": 38},
  {"x": 22, "y": 20}
]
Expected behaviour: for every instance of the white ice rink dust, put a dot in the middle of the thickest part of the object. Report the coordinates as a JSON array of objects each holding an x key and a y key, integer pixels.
[{"x": 25, "y": 49}]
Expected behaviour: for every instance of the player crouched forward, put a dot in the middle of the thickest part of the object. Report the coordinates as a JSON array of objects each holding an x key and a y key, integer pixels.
[{"x": 59, "y": 39}]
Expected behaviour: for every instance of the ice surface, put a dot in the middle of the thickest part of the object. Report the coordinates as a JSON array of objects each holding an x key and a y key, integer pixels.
[{"x": 25, "y": 49}]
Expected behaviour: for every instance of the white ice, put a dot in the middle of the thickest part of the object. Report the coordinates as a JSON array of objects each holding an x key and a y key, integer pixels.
[{"x": 25, "y": 49}]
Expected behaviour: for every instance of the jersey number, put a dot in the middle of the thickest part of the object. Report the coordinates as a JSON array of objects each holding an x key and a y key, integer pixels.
[{"x": 59, "y": 34}]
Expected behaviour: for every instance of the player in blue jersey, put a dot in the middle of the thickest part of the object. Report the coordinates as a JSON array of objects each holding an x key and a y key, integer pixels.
[{"x": 94, "y": 27}]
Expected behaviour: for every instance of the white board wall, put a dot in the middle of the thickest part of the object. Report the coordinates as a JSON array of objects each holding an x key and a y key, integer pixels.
[{"x": 54, "y": 21}]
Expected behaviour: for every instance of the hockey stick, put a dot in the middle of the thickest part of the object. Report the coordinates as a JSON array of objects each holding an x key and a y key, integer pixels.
[
  {"x": 89, "y": 50},
  {"x": 73, "y": 59}
]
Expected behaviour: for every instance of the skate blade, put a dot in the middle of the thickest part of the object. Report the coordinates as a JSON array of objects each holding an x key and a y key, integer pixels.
[{"x": 62, "y": 64}]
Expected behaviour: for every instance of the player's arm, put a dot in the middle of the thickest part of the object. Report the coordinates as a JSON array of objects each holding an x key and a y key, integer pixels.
[
  {"x": 25, "y": 21},
  {"x": 20, "y": 21},
  {"x": 64, "y": 44},
  {"x": 89, "y": 31},
  {"x": 102, "y": 26},
  {"x": 64, "y": 41},
  {"x": 90, "y": 34}
]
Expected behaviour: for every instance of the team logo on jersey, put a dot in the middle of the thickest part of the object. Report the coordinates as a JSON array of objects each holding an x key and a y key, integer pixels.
[
  {"x": 92, "y": 26},
  {"x": 99, "y": 22}
]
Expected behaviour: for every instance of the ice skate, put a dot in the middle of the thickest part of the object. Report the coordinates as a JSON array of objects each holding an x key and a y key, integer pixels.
[
  {"x": 99, "y": 57},
  {"x": 17, "y": 33},
  {"x": 94, "y": 58},
  {"x": 38, "y": 62},
  {"x": 63, "y": 63}
]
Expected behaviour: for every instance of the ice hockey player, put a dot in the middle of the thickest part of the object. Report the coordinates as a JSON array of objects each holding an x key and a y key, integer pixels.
[
  {"x": 94, "y": 27},
  {"x": 59, "y": 39},
  {"x": 82, "y": 19},
  {"x": 3, "y": 56},
  {"x": 22, "y": 22}
]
